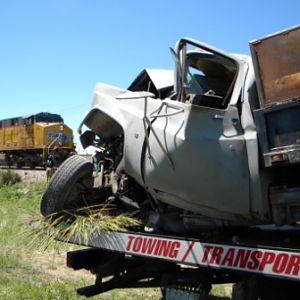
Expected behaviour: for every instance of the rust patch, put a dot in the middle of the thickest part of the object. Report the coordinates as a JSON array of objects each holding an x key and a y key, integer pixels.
[{"x": 276, "y": 61}]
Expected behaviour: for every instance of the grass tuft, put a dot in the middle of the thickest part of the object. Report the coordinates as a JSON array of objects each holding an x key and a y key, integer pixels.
[
  {"x": 76, "y": 225},
  {"x": 26, "y": 273},
  {"x": 8, "y": 177}
]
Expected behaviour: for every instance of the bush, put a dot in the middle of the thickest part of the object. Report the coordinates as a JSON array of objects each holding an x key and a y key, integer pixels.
[{"x": 9, "y": 177}]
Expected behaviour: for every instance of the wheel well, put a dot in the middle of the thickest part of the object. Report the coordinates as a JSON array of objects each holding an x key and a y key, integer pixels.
[{"x": 103, "y": 125}]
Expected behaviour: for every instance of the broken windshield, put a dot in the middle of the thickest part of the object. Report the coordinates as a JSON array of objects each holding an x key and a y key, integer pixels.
[{"x": 208, "y": 75}]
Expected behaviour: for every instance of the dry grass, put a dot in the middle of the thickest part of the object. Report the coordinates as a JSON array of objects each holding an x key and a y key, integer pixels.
[
  {"x": 76, "y": 225},
  {"x": 29, "y": 273}
]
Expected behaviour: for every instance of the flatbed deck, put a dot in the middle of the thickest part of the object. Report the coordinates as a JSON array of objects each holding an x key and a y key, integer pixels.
[{"x": 238, "y": 255}]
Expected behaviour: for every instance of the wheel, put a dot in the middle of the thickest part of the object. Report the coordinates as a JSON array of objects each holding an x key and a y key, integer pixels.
[{"x": 68, "y": 187}]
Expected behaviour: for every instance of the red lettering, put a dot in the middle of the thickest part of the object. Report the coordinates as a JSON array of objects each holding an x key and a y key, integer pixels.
[
  {"x": 216, "y": 255},
  {"x": 130, "y": 239},
  {"x": 174, "y": 250},
  {"x": 148, "y": 246},
  {"x": 156, "y": 252},
  {"x": 242, "y": 258},
  {"x": 137, "y": 244},
  {"x": 280, "y": 263},
  {"x": 267, "y": 258},
  {"x": 164, "y": 248},
  {"x": 153, "y": 246},
  {"x": 228, "y": 259},
  {"x": 207, "y": 250},
  {"x": 293, "y": 265},
  {"x": 255, "y": 256}
]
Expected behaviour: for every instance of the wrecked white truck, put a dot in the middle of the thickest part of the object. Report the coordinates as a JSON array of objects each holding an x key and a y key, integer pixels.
[
  {"x": 217, "y": 146},
  {"x": 208, "y": 157}
]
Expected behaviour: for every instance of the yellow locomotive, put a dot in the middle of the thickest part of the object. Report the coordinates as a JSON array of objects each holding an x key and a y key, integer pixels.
[{"x": 28, "y": 140}]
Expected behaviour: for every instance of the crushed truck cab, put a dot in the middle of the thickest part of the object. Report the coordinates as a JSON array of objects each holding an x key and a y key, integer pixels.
[
  {"x": 207, "y": 157},
  {"x": 214, "y": 144}
]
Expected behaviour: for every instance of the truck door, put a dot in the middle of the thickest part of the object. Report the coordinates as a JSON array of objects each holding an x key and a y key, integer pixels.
[{"x": 201, "y": 163}]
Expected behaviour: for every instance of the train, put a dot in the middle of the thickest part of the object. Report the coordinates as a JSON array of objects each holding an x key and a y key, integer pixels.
[{"x": 28, "y": 141}]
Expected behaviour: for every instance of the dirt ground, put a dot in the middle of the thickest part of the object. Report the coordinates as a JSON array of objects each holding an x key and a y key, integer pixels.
[
  {"x": 53, "y": 264},
  {"x": 29, "y": 176}
]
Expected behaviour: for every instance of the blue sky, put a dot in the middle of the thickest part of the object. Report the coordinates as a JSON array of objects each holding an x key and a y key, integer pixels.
[{"x": 53, "y": 52}]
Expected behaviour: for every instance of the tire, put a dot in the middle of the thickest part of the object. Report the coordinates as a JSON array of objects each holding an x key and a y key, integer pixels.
[{"x": 68, "y": 187}]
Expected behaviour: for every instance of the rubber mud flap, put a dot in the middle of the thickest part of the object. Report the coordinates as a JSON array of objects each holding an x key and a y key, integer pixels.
[{"x": 66, "y": 186}]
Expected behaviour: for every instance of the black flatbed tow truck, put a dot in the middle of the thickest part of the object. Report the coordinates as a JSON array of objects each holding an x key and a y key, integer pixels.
[{"x": 261, "y": 262}]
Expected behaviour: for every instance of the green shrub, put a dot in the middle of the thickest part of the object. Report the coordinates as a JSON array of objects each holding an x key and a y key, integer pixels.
[{"x": 9, "y": 177}]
